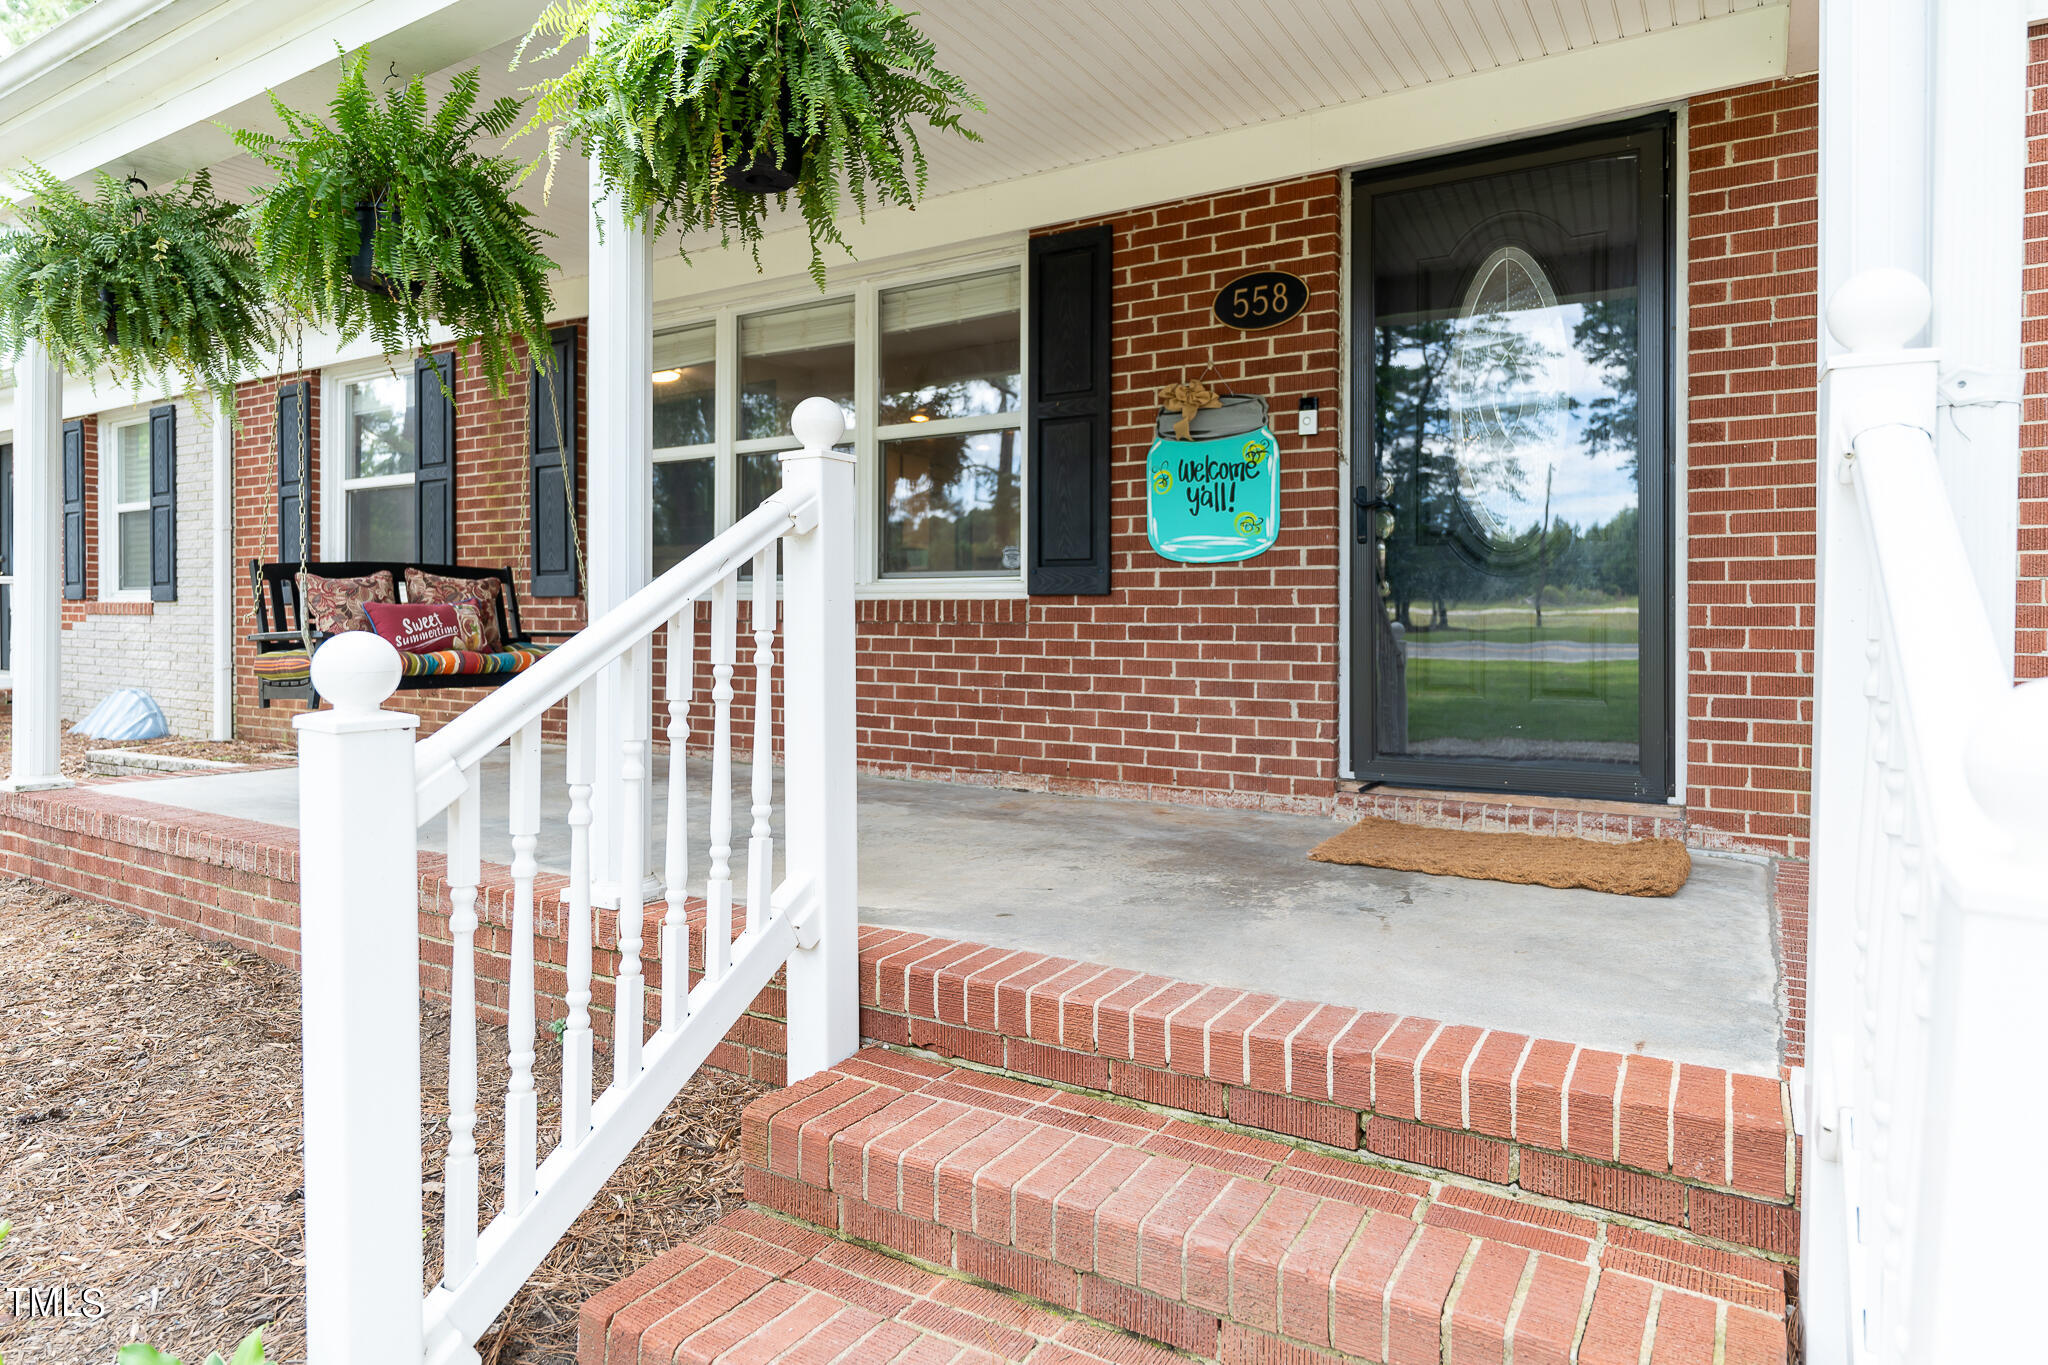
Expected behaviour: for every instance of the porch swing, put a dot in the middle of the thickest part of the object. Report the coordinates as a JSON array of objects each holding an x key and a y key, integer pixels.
[{"x": 286, "y": 638}]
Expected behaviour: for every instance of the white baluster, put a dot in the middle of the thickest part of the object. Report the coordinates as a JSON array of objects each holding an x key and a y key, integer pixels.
[
  {"x": 576, "y": 1040},
  {"x": 459, "y": 1196},
  {"x": 522, "y": 1122},
  {"x": 629, "y": 1003},
  {"x": 718, "y": 890},
  {"x": 675, "y": 929},
  {"x": 761, "y": 844}
]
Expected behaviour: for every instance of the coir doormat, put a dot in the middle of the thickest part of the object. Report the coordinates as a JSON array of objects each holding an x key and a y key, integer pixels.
[{"x": 1641, "y": 867}]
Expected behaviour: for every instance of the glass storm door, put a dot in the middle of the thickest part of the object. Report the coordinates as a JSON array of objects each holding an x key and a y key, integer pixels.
[{"x": 1510, "y": 558}]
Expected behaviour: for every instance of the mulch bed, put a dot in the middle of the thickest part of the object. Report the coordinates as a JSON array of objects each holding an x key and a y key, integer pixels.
[
  {"x": 72, "y": 749},
  {"x": 149, "y": 1148}
]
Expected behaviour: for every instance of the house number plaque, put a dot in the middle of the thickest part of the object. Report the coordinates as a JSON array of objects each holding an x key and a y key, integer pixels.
[{"x": 1264, "y": 299}]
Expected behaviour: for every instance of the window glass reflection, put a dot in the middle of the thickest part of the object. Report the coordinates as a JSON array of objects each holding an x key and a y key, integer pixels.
[
  {"x": 949, "y": 504},
  {"x": 790, "y": 355},
  {"x": 950, "y": 349},
  {"x": 686, "y": 387}
]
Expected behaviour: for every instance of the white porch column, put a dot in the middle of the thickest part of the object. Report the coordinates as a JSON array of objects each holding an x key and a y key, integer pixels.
[
  {"x": 38, "y": 579},
  {"x": 223, "y": 576},
  {"x": 1978, "y": 202},
  {"x": 618, "y": 538},
  {"x": 1874, "y": 148}
]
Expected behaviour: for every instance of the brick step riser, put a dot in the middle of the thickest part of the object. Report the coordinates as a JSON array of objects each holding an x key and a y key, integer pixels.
[
  {"x": 1691, "y": 1147},
  {"x": 1318, "y": 1255}
]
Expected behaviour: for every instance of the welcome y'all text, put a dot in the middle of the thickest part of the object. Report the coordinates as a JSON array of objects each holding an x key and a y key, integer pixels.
[{"x": 1212, "y": 485}]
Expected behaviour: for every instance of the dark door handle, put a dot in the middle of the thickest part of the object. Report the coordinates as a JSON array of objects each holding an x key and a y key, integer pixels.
[{"x": 1366, "y": 503}]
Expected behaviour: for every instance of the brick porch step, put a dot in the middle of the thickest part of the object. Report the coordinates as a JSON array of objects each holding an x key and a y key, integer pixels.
[
  {"x": 756, "y": 1288},
  {"x": 1222, "y": 1245},
  {"x": 1695, "y": 1147}
]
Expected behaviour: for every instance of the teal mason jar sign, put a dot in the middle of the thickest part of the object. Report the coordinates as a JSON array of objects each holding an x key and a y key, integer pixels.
[{"x": 1213, "y": 480}]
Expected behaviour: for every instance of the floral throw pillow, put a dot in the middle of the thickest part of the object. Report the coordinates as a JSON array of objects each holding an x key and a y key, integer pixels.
[
  {"x": 436, "y": 587},
  {"x": 334, "y": 605}
]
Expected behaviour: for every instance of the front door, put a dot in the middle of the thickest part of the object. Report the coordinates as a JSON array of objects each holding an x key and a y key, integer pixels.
[{"x": 1511, "y": 549}]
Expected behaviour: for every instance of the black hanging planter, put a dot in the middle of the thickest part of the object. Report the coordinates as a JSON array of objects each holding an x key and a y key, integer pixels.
[
  {"x": 764, "y": 174},
  {"x": 361, "y": 270},
  {"x": 113, "y": 327}
]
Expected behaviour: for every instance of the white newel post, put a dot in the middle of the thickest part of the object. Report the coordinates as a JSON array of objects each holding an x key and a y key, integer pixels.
[
  {"x": 818, "y": 746},
  {"x": 360, "y": 987},
  {"x": 38, "y": 586},
  {"x": 618, "y": 541},
  {"x": 1872, "y": 381}
]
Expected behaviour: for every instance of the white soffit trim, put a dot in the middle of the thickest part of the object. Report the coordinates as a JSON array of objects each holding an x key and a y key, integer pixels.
[
  {"x": 1600, "y": 81},
  {"x": 105, "y": 94}
]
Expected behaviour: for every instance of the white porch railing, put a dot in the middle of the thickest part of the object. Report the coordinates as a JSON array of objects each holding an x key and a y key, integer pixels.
[
  {"x": 1928, "y": 1031},
  {"x": 365, "y": 788}
]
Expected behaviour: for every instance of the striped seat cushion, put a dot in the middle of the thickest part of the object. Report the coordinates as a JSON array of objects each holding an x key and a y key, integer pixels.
[
  {"x": 283, "y": 665},
  {"x": 293, "y": 665},
  {"x": 517, "y": 659}
]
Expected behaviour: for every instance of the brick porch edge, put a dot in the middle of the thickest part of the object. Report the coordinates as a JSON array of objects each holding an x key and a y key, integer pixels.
[{"x": 1688, "y": 1146}]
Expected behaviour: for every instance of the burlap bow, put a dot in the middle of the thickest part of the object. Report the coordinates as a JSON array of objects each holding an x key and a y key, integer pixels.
[{"x": 1190, "y": 399}]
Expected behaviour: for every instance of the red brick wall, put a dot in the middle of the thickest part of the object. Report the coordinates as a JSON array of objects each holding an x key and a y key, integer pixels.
[
  {"x": 2031, "y": 652},
  {"x": 491, "y": 521},
  {"x": 1220, "y": 682},
  {"x": 1218, "y": 678},
  {"x": 1752, "y": 296}
]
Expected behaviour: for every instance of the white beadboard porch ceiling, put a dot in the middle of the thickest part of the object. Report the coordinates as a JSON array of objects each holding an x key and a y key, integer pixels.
[
  {"x": 1093, "y": 105},
  {"x": 1069, "y": 82}
]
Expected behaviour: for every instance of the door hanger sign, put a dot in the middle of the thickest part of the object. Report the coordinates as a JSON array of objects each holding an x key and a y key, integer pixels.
[{"x": 1213, "y": 479}]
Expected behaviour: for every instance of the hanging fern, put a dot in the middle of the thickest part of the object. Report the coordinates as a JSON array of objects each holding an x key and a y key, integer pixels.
[
  {"x": 450, "y": 246},
  {"x": 170, "y": 273},
  {"x": 670, "y": 94}
]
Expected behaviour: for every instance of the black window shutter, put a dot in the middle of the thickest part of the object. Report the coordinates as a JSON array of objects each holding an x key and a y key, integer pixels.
[
  {"x": 6, "y": 551},
  {"x": 551, "y": 459},
  {"x": 292, "y": 463},
  {"x": 163, "y": 503},
  {"x": 1070, "y": 413},
  {"x": 433, "y": 488},
  {"x": 74, "y": 510}
]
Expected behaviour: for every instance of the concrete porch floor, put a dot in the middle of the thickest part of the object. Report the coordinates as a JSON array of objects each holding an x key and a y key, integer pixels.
[{"x": 1230, "y": 898}]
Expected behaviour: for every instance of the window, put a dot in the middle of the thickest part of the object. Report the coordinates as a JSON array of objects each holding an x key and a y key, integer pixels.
[
  {"x": 951, "y": 400},
  {"x": 930, "y": 376},
  {"x": 127, "y": 568},
  {"x": 685, "y": 442},
  {"x": 375, "y": 442}
]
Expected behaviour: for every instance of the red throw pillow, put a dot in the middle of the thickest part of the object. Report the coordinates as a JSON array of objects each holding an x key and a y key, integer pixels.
[{"x": 422, "y": 628}]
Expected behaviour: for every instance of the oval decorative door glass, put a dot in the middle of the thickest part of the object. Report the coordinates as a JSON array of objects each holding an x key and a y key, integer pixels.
[{"x": 1510, "y": 401}]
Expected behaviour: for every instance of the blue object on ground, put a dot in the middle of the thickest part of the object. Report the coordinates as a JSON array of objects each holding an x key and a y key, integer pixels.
[{"x": 130, "y": 713}]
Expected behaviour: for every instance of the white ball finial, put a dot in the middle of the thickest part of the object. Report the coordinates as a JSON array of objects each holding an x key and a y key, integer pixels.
[
  {"x": 2006, "y": 756},
  {"x": 818, "y": 423},
  {"x": 356, "y": 671},
  {"x": 1879, "y": 310}
]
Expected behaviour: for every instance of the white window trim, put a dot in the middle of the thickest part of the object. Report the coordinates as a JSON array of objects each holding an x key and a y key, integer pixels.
[
  {"x": 109, "y": 587},
  {"x": 867, "y": 439},
  {"x": 334, "y": 484}
]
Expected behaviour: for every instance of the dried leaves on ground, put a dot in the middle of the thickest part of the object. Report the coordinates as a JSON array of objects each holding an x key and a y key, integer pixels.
[
  {"x": 149, "y": 1149},
  {"x": 73, "y": 748}
]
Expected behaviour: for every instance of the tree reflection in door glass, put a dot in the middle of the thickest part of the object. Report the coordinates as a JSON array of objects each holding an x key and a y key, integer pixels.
[{"x": 1506, "y": 444}]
